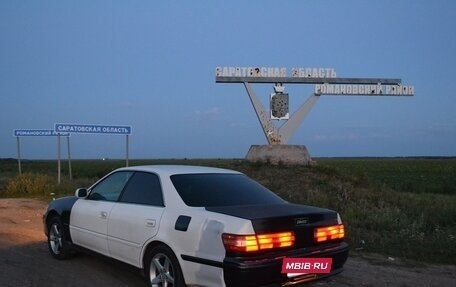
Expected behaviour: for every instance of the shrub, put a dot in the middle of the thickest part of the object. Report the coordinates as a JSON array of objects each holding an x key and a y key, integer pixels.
[{"x": 28, "y": 184}]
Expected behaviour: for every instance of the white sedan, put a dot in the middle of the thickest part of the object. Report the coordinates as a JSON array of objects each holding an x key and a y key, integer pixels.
[{"x": 199, "y": 226}]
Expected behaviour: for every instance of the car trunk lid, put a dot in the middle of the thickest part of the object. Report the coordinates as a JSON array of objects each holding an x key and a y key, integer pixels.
[{"x": 301, "y": 219}]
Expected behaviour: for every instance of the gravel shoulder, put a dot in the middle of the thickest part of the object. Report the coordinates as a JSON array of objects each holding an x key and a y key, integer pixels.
[{"x": 25, "y": 261}]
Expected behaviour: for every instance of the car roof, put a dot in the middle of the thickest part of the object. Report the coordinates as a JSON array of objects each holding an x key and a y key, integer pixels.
[{"x": 179, "y": 169}]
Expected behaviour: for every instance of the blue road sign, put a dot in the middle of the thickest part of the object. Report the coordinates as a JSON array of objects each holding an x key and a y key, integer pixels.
[
  {"x": 92, "y": 129},
  {"x": 39, "y": 133}
]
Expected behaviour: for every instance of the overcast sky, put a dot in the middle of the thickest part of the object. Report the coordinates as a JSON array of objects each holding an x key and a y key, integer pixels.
[{"x": 151, "y": 65}]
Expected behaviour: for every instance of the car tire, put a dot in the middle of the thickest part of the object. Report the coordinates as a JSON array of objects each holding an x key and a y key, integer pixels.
[
  {"x": 162, "y": 268},
  {"x": 58, "y": 244}
]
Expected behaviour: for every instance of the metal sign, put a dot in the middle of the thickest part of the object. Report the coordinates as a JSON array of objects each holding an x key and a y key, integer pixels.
[
  {"x": 364, "y": 90},
  {"x": 42, "y": 133},
  {"x": 97, "y": 129},
  {"x": 39, "y": 133},
  {"x": 93, "y": 129},
  {"x": 326, "y": 83},
  {"x": 296, "y": 76}
]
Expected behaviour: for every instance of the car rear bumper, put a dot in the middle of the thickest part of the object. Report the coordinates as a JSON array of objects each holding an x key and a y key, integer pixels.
[{"x": 267, "y": 271}]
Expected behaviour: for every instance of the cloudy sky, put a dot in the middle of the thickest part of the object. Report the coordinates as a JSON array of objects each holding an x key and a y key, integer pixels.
[{"x": 151, "y": 65}]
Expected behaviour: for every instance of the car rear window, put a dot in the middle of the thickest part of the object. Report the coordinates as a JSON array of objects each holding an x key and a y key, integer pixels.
[{"x": 206, "y": 190}]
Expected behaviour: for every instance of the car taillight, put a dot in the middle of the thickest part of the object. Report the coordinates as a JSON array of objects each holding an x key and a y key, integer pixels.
[
  {"x": 257, "y": 242},
  {"x": 322, "y": 234}
]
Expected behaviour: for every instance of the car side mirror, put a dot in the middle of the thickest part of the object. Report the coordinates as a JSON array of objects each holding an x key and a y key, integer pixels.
[{"x": 81, "y": 193}]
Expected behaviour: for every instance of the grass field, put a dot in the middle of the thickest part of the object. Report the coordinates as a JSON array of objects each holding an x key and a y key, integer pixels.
[{"x": 398, "y": 207}]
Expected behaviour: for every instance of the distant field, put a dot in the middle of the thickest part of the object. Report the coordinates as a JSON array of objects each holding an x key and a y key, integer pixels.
[
  {"x": 417, "y": 175},
  {"x": 399, "y": 207}
]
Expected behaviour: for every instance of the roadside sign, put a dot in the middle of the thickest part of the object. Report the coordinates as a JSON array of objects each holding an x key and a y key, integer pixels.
[
  {"x": 92, "y": 129},
  {"x": 66, "y": 130},
  {"x": 39, "y": 133},
  {"x": 96, "y": 129}
]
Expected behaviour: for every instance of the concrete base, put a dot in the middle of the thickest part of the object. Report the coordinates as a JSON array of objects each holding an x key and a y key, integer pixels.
[{"x": 280, "y": 154}]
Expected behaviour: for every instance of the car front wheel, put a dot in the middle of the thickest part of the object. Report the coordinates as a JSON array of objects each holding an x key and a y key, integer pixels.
[
  {"x": 162, "y": 268},
  {"x": 57, "y": 243}
]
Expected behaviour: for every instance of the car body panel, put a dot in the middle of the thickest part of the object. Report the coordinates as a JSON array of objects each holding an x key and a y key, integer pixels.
[
  {"x": 130, "y": 226},
  {"x": 89, "y": 224},
  {"x": 201, "y": 242},
  {"x": 60, "y": 208}
]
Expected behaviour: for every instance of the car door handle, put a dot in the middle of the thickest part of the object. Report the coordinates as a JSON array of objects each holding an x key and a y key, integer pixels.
[
  {"x": 150, "y": 222},
  {"x": 103, "y": 215}
]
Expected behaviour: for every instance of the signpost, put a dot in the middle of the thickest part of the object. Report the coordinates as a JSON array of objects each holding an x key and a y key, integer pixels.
[
  {"x": 96, "y": 129},
  {"x": 42, "y": 133},
  {"x": 66, "y": 130},
  {"x": 326, "y": 83},
  {"x": 92, "y": 129},
  {"x": 36, "y": 132}
]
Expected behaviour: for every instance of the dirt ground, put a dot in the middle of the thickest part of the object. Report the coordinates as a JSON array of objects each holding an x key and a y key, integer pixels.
[{"x": 25, "y": 261}]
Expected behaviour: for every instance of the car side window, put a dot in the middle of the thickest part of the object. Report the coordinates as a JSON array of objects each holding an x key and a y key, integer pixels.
[
  {"x": 110, "y": 188},
  {"x": 143, "y": 188}
]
